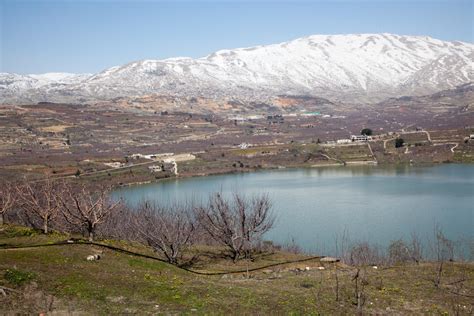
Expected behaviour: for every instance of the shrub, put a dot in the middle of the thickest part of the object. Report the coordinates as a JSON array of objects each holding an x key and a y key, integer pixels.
[
  {"x": 399, "y": 252},
  {"x": 18, "y": 277},
  {"x": 399, "y": 142},
  {"x": 365, "y": 254},
  {"x": 19, "y": 231}
]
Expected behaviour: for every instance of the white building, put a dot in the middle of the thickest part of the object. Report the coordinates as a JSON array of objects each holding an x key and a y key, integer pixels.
[
  {"x": 155, "y": 168},
  {"x": 359, "y": 138},
  {"x": 344, "y": 141}
]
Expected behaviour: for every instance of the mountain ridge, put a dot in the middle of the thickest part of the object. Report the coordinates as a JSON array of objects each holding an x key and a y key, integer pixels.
[{"x": 355, "y": 67}]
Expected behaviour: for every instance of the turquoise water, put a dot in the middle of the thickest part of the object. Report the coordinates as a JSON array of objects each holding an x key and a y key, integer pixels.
[{"x": 313, "y": 206}]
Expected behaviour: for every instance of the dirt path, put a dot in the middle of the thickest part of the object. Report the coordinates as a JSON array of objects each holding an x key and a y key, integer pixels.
[
  {"x": 454, "y": 147},
  {"x": 371, "y": 152}
]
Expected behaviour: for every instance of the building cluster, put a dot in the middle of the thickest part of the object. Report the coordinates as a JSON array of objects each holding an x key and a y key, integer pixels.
[
  {"x": 275, "y": 119},
  {"x": 164, "y": 167},
  {"x": 354, "y": 139}
]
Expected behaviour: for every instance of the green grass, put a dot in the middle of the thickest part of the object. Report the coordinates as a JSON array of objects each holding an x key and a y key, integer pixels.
[
  {"x": 18, "y": 277},
  {"x": 120, "y": 283}
]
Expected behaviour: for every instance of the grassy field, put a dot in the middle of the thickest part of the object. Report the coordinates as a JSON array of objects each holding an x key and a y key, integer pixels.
[{"x": 58, "y": 279}]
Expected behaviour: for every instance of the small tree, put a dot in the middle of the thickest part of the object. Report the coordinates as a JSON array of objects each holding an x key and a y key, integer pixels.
[
  {"x": 416, "y": 249},
  {"x": 39, "y": 200},
  {"x": 363, "y": 253},
  {"x": 8, "y": 199},
  {"x": 366, "y": 131},
  {"x": 399, "y": 252},
  {"x": 237, "y": 223},
  {"x": 399, "y": 142},
  {"x": 169, "y": 231},
  {"x": 86, "y": 209},
  {"x": 444, "y": 250}
]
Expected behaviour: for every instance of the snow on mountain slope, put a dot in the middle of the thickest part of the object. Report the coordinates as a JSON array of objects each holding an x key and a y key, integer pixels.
[
  {"x": 34, "y": 88},
  {"x": 358, "y": 67}
]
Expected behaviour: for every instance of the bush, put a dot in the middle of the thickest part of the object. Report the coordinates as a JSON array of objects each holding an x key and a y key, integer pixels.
[
  {"x": 18, "y": 277},
  {"x": 20, "y": 231},
  {"x": 365, "y": 254},
  {"x": 366, "y": 132},
  {"x": 399, "y": 252},
  {"x": 399, "y": 142}
]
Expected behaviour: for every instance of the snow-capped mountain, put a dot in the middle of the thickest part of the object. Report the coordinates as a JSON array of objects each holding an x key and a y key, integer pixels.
[
  {"x": 35, "y": 88},
  {"x": 358, "y": 67}
]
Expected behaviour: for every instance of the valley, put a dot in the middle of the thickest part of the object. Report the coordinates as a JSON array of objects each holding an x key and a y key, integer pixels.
[{"x": 69, "y": 140}]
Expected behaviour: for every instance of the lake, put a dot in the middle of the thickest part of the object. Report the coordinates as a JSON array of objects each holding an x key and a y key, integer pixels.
[{"x": 370, "y": 203}]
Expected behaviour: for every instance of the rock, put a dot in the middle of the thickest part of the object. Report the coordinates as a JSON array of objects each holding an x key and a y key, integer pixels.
[
  {"x": 115, "y": 299},
  {"x": 329, "y": 259},
  {"x": 321, "y": 268}
]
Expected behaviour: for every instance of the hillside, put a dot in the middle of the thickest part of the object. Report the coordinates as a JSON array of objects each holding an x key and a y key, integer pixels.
[
  {"x": 59, "y": 279},
  {"x": 460, "y": 99},
  {"x": 354, "y": 67}
]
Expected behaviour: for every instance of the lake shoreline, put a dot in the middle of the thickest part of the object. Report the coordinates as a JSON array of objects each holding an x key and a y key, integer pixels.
[{"x": 314, "y": 166}]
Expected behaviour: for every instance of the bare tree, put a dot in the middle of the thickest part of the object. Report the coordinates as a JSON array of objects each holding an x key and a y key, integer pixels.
[
  {"x": 40, "y": 201},
  {"x": 237, "y": 223},
  {"x": 119, "y": 225},
  {"x": 399, "y": 252},
  {"x": 416, "y": 248},
  {"x": 363, "y": 253},
  {"x": 359, "y": 292},
  {"x": 8, "y": 199},
  {"x": 444, "y": 250},
  {"x": 86, "y": 209},
  {"x": 169, "y": 231}
]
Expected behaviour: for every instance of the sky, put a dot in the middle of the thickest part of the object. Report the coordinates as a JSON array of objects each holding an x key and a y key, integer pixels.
[{"x": 89, "y": 36}]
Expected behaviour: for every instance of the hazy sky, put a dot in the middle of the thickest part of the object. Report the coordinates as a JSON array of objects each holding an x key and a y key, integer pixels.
[{"x": 89, "y": 36}]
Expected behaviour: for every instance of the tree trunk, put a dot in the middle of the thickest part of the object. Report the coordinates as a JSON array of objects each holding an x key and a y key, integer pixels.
[
  {"x": 2, "y": 219},
  {"x": 45, "y": 226},
  {"x": 91, "y": 236}
]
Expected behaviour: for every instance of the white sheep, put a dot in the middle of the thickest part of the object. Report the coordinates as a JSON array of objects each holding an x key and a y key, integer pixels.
[{"x": 93, "y": 257}]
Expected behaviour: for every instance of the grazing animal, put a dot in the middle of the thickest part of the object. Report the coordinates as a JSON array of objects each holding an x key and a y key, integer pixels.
[{"x": 93, "y": 257}]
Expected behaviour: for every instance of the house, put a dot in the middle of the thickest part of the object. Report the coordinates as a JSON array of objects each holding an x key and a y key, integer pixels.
[
  {"x": 244, "y": 146},
  {"x": 275, "y": 119},
  {"x": 471, "y": 136},
  {"x": 114, "y": 164},
  {"x": 156, "y": 168},
  {"x": 359, "y": 138},
  {"x": 344, "y": 141}
]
